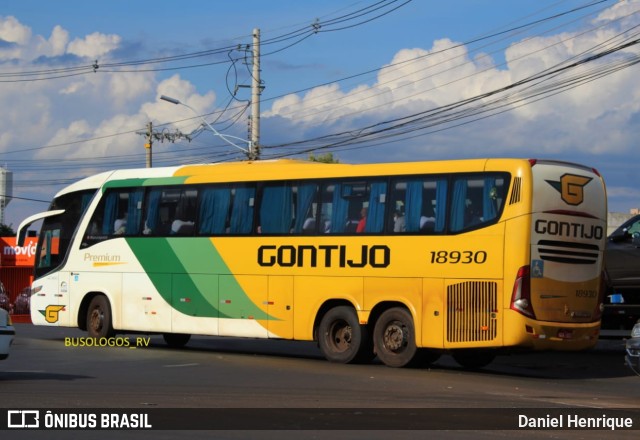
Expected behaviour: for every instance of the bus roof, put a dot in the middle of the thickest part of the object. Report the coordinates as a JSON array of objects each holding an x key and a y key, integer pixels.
[{"x": 278, "y": 169}]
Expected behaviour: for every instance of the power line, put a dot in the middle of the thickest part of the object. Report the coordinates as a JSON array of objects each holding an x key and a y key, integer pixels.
[
  {"x": 290, "y": 38},
  {"x": 339, "y": 19},
  {"x": 535, "y": 90},
  {"x": 357, "y": 138}
]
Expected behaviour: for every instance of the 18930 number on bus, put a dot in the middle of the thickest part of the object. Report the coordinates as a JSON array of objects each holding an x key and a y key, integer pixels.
[{"x": 458, "y": 257}]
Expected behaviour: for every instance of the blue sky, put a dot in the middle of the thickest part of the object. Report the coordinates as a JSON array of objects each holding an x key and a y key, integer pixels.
[{"x": 420, "y": 55}]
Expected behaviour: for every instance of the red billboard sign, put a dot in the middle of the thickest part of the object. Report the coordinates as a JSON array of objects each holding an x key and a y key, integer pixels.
[{"x": 12, "y": 255}]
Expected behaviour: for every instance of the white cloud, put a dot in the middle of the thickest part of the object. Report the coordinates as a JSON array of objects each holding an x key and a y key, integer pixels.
[
  {"x": 93, "y": 45},
  {"x": 11, "y": 30}
]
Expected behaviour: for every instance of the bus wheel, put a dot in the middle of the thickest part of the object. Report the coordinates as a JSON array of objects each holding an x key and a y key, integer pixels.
[
  {"x": 473, "y": 359},
  {"x": 99, "y": 318},
  {"x": 176, "y": 340},
  {"x": 341, "y": 337},
  {"x": 394, "y": 338}
]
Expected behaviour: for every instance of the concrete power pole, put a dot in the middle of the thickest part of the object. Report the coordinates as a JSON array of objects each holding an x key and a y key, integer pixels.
[
  {"x": 149, "y": 145},
  {"x": 256, "y": 90},
  {"x": 159, "y": 136}
]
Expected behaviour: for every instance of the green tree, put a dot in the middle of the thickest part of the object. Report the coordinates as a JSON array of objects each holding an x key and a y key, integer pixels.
[
  {"x": 6, "y": 230},
  {"x": 324, "y": 158}
]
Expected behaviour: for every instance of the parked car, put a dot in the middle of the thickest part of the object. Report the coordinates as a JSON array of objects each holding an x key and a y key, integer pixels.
[
  {"x": 633, "y": 349},
  {"x": 5, "y": 301},
  {"x": 622, "y": 266},
  {"x": 21, "y": 305},
  {"x": 7, "y": 333}
]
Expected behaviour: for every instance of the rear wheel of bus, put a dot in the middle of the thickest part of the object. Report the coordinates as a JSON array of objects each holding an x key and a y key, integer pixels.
[
  {"x": 394, "y": 338},
  {"x": 99, "y": 323},
  {"x": 341, "y": 337}
]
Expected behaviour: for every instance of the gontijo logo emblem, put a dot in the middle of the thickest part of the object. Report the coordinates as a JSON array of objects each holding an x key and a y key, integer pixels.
[
  {"x": 571, "y": 188},
  {"x": 51, "y": 313}
]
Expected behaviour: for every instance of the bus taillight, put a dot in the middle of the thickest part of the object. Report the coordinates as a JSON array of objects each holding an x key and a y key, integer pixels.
[
  {"x": 597, "y": 313},
  {"x": 521, "y": 295}
]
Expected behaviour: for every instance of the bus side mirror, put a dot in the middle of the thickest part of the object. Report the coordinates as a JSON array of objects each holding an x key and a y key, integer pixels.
[
  {"x": 20, "y": 238},
  {"x": 619, "y": 236}
]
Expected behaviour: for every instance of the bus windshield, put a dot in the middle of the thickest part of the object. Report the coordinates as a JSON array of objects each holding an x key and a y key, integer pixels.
[{"x": 58, "y": 230}]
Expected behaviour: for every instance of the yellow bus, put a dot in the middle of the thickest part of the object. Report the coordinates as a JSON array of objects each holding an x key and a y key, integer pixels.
[{"x": 403, "y": 261}]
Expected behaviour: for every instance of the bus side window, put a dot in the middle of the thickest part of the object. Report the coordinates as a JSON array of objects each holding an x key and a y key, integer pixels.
[
  {"x": 118, "y": 213},
  {"x": 305, "y": 208},
  {"x": 213, "y": 213},
  {"x": 241, "y": 221},
  {"x": 276, "y": 208},
  {"x": 185, "y": 213},
  {"x": 421, "y": 201},
  {"x": 353, "y": 207},
  {"x": 476, "y": 201}
]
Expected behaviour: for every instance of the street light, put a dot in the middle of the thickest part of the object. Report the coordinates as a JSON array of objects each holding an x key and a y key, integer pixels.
[{"x": 225, "y": 137}]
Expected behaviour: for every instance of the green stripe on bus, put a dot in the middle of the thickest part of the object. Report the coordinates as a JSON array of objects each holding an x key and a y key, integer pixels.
[
  {"x": 196, "y": 267},
  {"x": 153, "y": 181}
]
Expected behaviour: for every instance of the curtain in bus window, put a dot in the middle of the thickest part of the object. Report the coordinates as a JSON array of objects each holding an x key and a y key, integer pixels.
[
  {"x": 306, "y": 196},
  {"x": 413, "y": 206},
  {"x": 375, "y": 214},
  {"x": 86, "y": 199},
  {"x": 110, "y": 212},
  {"x": 340, "y": 209},
  {"x": 134, "y": 208},
  {"x": 153, "y": 211},
  {"x": 459, "y": 205},
  {"x": 489, "y": 209},
  {"x": 441, "y": 204},
  {"x": 275, "y": 209},
  {"x": 242, "y": 214},
  {"x": 213, "y": 210}
]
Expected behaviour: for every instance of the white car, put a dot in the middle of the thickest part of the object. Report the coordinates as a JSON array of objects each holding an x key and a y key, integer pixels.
[
  {"x": 7, "y": 333},
  {"x": 633, "y": 349}
]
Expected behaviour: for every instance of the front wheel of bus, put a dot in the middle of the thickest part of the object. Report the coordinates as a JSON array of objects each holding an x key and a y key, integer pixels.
[
  {"x": 341, "y": 337},
  {"x": 394, "y": 338},
  {"x": 99, "y": 318}
]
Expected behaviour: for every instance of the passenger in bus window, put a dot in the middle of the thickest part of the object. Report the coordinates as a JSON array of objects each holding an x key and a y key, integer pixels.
[
  {"x": 184, "y": 215},
  {"x": 363, "y": 221},
  {"x": 428, "y": 222},
  {"x": 181, "y": 227},
  {"x": 309, "y": 225},
  {"x": 326, "y": 225},
  {"x": 399, "y": 224},
  {"x": 472, "y": 214},
  {"x": 120, "y": 224}
]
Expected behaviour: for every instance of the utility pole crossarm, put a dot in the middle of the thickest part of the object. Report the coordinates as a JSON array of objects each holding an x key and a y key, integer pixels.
[{"x": 161, "y": 136}]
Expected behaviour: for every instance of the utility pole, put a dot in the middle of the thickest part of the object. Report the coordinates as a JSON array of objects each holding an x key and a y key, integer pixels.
[
  {"x": 149, "y": 145},
  {"x": 159, "y": 136},
  {"x": 256, "y": 90}
]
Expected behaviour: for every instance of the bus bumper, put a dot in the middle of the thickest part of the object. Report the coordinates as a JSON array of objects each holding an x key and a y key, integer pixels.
[{"x": 559, "y": 336}]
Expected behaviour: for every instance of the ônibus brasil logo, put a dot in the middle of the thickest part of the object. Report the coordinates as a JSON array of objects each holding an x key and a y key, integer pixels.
[{"x": 571, "y": 188}]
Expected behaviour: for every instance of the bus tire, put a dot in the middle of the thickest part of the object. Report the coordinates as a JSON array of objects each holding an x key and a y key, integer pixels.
[
  {"x": 394, "y": 338},
  {"x": 99, "y": 324},
  {"x": 176, "y": 340},
  {"x": 341, "y": 337},
  {"x": 473, "y": 359}
]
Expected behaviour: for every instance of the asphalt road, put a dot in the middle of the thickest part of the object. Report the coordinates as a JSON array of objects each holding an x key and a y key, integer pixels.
[{"x": 292, "y": 380}]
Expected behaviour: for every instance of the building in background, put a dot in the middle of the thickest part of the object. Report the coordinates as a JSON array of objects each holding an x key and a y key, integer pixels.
[{"x": 6, "y": 190}]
